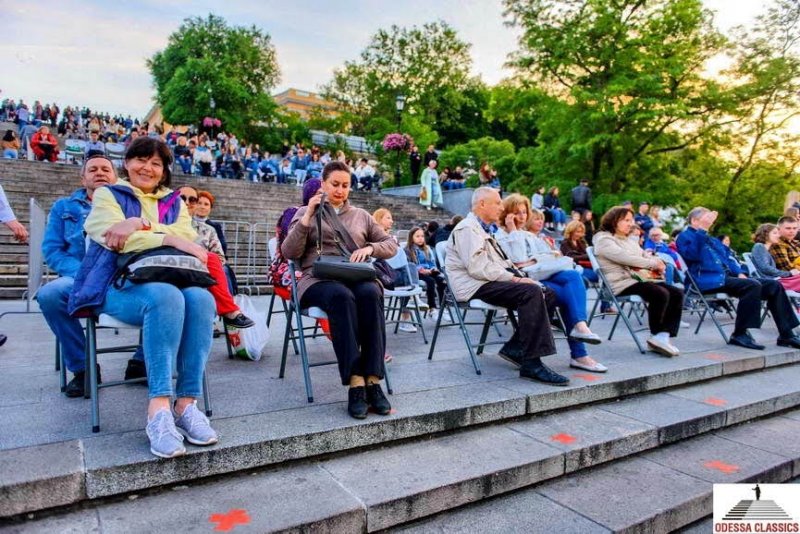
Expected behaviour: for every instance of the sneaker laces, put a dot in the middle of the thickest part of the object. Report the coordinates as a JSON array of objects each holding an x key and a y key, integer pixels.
[
  {"x": 196, "y": 419},
  {"x": 163, "y": 427}
]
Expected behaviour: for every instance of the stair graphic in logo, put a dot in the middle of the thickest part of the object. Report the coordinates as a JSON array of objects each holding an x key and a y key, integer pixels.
[{"x": 757, "y": 511}]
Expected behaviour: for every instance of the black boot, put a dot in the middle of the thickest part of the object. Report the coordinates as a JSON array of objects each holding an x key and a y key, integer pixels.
[
  {"x": 357, "y": 402},
  {"x": 377, "y": 400}
]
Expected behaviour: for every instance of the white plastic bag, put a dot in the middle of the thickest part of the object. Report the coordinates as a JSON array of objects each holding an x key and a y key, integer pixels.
[{"x": 249, "y": 342}]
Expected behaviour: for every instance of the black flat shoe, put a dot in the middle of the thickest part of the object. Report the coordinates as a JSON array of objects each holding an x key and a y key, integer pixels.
[
  {"x": 3, "y": 339},
  {"x": 135, "y": 369},
  {"x": 793, "y": 342},
  {"x": 75, "y": 388},
  {"x": 357, "y": 402},
  {"x": 511, "y": 353},
  {"x": 746, "y": 341},
  {"x": 240, "y": 321},
  {"x": 541, "y": 373},
  {"x": 377, "y": 400}
]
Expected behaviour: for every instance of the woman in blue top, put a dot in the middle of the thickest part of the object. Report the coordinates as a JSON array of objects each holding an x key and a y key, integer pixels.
[{"x": 419, "y": 253}]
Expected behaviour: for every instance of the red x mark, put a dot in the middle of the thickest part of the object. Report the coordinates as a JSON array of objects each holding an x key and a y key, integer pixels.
[
  {"x": 587, "y": 377},
  {"x": 728, "y": 469},
  {"x": 715, "y": 401},
  {"x": 566, "y": 439},
  {"x": 227, "y": 522}
]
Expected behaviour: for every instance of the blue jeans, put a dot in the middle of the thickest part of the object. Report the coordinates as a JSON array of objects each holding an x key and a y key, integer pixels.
[
  {"x": 10, "y": 153},
  {"x": 571, "y": 298},
  {"x": 559, "y": 217},
  {"x": 186, "y": 164},
  {"x": 177, "y": 325},
  {"x": 53, "y": 298}
]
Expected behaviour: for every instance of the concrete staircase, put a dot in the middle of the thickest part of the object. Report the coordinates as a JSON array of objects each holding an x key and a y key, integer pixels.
[
  {"x": 255, "y": 206},
  {"x": 636, "y": 450}
]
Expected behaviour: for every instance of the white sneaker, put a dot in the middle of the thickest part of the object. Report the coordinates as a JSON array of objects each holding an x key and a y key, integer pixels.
[
  {"x": 684, "y": 324},
  {"x": 410, "y": 328}
]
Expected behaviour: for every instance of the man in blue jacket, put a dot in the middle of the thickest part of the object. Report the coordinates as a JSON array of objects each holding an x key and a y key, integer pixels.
[
  {"x": 716, "y": 271},
  {"x": 64, "y": 247}
]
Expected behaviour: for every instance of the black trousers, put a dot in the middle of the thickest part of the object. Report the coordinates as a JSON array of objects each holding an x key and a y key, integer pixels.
[
  {"x": 433, "y": 285},
  {"x": 358, "y": 327},
  {"x": 533, "y": 335},
  {"x": 750, "y": 293},
  {"x": 664, "y": 305}
]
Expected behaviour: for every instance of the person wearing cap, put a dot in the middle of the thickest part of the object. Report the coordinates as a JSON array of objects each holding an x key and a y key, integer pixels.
[{"x": 64, "y": 247}]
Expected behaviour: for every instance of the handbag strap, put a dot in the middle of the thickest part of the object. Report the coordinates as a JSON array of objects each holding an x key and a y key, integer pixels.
[
  {"x": 322, "y": 210},
  {"x": 341, "y": 236}
]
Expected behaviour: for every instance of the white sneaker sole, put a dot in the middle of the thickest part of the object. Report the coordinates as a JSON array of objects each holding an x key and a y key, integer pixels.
[
  {"x": 179, "y": 452},
  {"x": 195, "y": 441},
  {"x": 664, "y": 351}
]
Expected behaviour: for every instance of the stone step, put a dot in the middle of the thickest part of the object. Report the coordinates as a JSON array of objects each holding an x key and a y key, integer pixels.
[
  {"x": 111, "y": 464},
  {"x": 649, "y": 486},
  {"x": 658, "y": 491}
]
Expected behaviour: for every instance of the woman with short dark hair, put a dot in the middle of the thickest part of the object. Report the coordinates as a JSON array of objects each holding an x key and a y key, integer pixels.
[
  {"x": 630, "y": 271},
  {"x": 355, "y": 309},
  {"x": 135, "y": 215}
]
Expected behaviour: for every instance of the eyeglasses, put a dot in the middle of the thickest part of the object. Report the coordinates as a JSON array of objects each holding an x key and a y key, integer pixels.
[{"x": 189, "y": 200}]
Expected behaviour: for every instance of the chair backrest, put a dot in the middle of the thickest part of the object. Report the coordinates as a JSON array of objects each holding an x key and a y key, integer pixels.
[
  {"x": 272, "y": 246},
  {"x": 603, "y": 287},
  {"x": 115, "y": 150},
  {"x": 399, "y": 260},
  {"x": 74, "y": 147},
  {"x": 38, "y": 221},
  {"x": 441, "y": 254},
  {"x": 751, "y": 267},
  {"x": 402, "y": 235}
]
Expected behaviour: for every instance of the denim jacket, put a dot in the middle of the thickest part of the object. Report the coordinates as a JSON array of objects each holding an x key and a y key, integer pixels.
[
  {"x": 64, "y": 244},
  {"x": 417, "y": 255},
  {"x": 706, "y": 258}
]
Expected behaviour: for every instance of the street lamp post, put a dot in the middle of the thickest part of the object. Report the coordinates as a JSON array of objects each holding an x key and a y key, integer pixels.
[{"x": 399, "y": 104}]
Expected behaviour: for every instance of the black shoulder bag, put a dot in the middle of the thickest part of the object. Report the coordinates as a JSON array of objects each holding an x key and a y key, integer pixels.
[{"x": 339, "y": 268}]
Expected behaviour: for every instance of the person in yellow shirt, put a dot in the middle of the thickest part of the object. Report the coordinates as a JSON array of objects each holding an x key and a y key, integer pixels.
[{"x": 139, "y": 214}]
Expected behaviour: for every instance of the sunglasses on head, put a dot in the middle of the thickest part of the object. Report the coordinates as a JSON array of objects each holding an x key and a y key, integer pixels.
[{"x": 189, "y": 200}]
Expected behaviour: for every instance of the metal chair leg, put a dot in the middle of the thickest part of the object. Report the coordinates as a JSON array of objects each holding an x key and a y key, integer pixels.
[
  {"x": 91, "y": 372},
  {"x": 206, "y": 396}
]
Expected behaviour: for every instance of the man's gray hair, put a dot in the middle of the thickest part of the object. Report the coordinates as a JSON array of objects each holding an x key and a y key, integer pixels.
[
  {"x": 696, "y": 213},
  {"x": 482, "y": 193}
]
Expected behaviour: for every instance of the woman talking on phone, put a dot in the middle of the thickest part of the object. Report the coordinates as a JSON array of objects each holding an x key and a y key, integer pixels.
[{"x": 355, "y": 309}]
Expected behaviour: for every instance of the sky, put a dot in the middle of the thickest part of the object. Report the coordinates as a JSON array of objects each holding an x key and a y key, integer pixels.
[{"x": 92, "y": 53}]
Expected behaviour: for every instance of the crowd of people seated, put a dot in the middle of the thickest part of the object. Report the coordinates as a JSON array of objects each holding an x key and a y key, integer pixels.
[{"x": 500, "y": 253}]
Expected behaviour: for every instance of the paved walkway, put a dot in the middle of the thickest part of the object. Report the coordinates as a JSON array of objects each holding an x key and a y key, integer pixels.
[{"x": 34, "y": 411}]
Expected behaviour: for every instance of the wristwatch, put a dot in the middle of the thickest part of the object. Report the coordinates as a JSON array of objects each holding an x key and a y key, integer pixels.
[{"x": 145, "y": 224}]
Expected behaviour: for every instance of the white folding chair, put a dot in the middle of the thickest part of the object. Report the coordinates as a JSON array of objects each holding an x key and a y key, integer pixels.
[{"x": 399, "y": 297}]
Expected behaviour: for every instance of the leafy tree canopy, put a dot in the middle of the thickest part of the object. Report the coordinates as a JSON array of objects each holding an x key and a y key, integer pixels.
[{"x": 206, "y": 59}]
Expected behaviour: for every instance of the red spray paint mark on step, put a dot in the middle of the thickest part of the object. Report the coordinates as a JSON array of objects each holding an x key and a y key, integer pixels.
[
  {"x": 715, "y": 401},
  {"x": 587, "y": 377},
  {"x": 728, "y": 469},
  {"x": 229, "y": 521},
  {"x": 565, "y": 439}
]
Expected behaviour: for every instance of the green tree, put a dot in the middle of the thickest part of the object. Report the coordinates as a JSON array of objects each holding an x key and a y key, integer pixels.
[
  {"x": 207, "y": 59},
  {"x": 622, "y": 77},
  {"x": 766, "y": 78},
  {"x": 429, "y": 65}
]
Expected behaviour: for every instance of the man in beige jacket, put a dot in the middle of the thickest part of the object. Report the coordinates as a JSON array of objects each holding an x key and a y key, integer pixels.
[{"x": 477, "y": 268}]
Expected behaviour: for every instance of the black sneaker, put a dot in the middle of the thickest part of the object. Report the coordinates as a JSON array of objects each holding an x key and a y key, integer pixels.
[
  {"x": 75, "y": 388},
  {"x": 3, "y": 339},
  {"x": 540, "y": 372},
  {"x": 240, "y": 321},
  {"x": 377, "y": 400},
  {"x": 357, "y": 402},
  {"x": 135, "y": 369}
]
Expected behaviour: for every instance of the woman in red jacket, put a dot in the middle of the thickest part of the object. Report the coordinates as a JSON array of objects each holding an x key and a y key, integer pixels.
[{"x": 44, "y": 145}]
